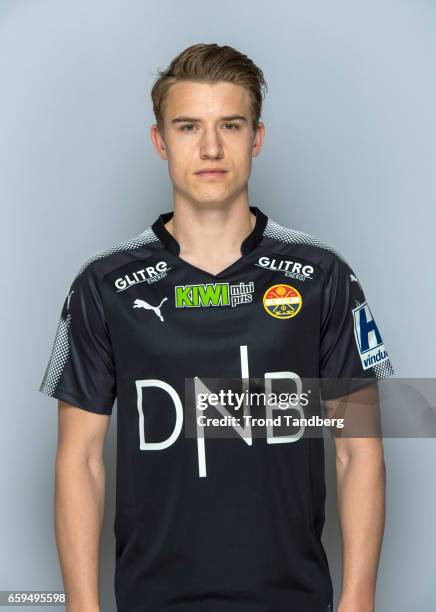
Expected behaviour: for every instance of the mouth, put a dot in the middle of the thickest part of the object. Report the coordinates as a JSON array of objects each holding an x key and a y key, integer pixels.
[{"x": 211, "y": 173}]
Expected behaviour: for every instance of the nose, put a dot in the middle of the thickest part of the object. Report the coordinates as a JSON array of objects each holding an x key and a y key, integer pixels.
[{"x": 211, "y": 145}]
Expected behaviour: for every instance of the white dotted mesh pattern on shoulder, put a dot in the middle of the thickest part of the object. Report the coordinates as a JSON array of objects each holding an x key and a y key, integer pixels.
[
  {"x": 290, "y": 236},
  {"x": 134, "y": 243},
  {"x": 61, "y": 346},
  {"x": 58, "y": 358}
]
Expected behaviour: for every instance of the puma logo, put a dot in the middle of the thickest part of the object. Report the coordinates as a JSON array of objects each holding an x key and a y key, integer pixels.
[
  {"x": 147, "y": 306},
  {"x": 69, "y": 298},
  {"x": 353, "y": 279}
]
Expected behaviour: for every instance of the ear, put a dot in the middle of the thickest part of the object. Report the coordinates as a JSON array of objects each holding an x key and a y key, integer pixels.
[
  {"x": 258, "y": 139},
  {"x": 158, "y": 141}
]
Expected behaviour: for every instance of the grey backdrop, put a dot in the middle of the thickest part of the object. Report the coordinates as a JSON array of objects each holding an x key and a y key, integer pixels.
[{"x": 349, "y": 157}]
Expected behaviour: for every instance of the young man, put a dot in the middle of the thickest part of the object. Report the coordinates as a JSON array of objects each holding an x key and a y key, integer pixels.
[{"x": 214, "y": 289}]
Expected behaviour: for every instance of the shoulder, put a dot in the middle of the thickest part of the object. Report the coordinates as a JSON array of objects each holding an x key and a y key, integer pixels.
[
  {"x": 102, "y": 262},
  {"x": 292, "y": 242}
]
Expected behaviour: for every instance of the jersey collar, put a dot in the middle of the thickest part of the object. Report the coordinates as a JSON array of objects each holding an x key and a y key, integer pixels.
[{"x": 248, "y": 244}]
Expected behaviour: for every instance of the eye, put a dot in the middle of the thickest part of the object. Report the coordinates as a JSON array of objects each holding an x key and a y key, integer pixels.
[
  {"x": 188, "y": 125},
  {"x": 233, "y": 125}
]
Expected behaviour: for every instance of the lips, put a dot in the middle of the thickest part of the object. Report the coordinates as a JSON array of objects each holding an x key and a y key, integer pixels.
[{"x": 211, "y": 173}]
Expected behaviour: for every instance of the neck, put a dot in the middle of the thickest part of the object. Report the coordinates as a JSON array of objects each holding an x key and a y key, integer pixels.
[{"x": 211, "y": 233}]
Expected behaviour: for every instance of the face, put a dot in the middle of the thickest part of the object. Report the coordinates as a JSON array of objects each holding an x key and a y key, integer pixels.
[{"x": 208, "y": 126}]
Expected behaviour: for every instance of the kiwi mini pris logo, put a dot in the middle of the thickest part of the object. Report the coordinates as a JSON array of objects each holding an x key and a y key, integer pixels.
[
  {"x": 282, "y": 301},
  {"x": 213, "y": 294}
]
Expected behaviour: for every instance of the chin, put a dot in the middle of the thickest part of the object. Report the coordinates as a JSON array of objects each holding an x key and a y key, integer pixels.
[{"x": 211, "y": 196}]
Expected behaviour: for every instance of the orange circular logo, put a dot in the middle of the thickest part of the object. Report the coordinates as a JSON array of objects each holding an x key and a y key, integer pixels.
[{"x": 282, "y": 301}]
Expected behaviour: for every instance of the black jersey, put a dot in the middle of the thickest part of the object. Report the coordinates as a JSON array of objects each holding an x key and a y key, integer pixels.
[{"x": 214, "y": 524}]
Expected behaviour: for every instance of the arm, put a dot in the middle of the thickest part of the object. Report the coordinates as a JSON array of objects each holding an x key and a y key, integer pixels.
[
  {"x": 79, "y": 503},
  {"x": 361, "y": 477}
]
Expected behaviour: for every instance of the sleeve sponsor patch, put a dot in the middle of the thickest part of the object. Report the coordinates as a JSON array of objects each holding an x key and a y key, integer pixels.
[{"x": 368, "y": 339}]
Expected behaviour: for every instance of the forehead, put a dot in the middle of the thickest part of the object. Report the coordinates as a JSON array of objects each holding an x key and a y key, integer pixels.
[{"x": 206, "y": 100}]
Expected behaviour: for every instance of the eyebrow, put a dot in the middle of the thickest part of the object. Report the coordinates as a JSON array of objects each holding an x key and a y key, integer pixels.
[{"x": 184, "y": 119}]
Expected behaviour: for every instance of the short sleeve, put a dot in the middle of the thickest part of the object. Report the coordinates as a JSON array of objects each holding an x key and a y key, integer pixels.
[
  {"x": 352, "y": 352},
  {"x": 81, "y": 370}
]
